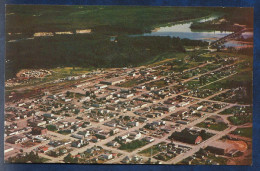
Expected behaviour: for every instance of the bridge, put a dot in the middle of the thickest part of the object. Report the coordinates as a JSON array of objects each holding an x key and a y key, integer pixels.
[{"x": 230, "y": 36}]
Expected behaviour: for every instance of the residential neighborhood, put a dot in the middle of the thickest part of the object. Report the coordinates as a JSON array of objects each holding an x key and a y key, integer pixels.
[{"x": 103, "y": 121}]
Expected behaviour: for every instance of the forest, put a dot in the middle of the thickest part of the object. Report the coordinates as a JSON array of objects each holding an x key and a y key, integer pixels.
[{"x": 91, "y": 51}]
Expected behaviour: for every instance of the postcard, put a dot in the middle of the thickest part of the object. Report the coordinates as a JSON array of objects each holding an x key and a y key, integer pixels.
[{"x": 128, "y": 85}]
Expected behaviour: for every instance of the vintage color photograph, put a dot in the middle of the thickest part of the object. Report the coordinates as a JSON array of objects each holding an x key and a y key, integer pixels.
[{"x": 128, "y": 85}]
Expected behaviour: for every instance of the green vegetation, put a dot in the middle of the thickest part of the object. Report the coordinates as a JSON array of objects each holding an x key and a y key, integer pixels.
[
  {"x": 209, "y": 159},
  {"x": 158, "y": 84},
  {"x": 74, "y": 95},
  {"x": 168, "y": 57},
  {"x": 134, "y": 19},
  {"x": 245, "y": 132},
  {"x": 154, "y": 150},
  {"x": 70, "y": 159},
  {"x": 243, "y": 16},
  {"x": 28, "y": 157},
  {"x": 129, "y": 83},
  {"x": 51, "y": 128},
  {"x": 242, "y": 79},
  {"x": 237, "y": 110},
  {"x": 164, "y": 157},
  {"x": 240, "y": 120},
  {"x": 95, "y": 49},
  {"x": 132, "y": 145},
  {"x": 214, "y": 126},
  {"x": 88, "y": 51}
]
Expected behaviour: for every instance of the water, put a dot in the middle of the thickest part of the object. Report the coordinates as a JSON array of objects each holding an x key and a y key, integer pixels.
[
  {"x": 233, "y": 44},
  {"x": 247, "y": 35},
  {"x": 241, "y": 44},
  {"x": 183, "y": 30}
]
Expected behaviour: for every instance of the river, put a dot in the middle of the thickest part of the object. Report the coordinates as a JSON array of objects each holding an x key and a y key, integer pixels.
[{"x": 183, "y": 30}]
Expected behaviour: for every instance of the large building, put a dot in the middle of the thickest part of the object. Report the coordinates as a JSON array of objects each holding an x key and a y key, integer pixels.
[
  {"x": 186, "y": 137},
  {"x": 113, "y": 81}
]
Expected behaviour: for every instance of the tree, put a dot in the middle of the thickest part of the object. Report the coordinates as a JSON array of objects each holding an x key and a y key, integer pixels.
[
  {"x": 67, "y": 93},
  {"x": 51, "y": 127},
  {"x": 87, "y": 93},
  {"x": 68, "y": 158}
]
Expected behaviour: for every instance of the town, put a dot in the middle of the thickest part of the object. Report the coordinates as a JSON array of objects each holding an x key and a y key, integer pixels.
[
  {"x": 132, "y": 115},
  {"x": 119, "y": 85}
]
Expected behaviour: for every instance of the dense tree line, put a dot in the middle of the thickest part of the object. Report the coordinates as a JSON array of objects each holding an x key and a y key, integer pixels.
[
  {"x": 93, "y": 50},
  {"x": 243, "y": 16},
  {"x": 124, "y": 19}
]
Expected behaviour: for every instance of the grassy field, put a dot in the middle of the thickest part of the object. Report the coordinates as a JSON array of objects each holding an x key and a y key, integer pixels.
[
  {"x": 236, "y": 110},
  {"x": 240, "y": 120},
  {"x": 245, "y": 132},
  {"x": 214, "y": 126},
  {"x": 154, "y": 150},
  {"x": 129, "y": 83},
  {"x": 133, "y": 145}
]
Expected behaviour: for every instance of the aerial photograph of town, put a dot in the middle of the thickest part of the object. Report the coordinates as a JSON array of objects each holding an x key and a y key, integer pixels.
[{"x": 128, "y": 85}]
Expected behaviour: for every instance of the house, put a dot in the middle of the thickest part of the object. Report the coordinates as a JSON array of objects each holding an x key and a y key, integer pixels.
[
  {"x": 168, "y": 108},
  {"x": 60, "y": 125},
  {"x": 107, "y": 156},
  {"x": 43, "y": 149},
  {"x": 95, "y": 139},
  {"x": 101, "y": 86},
  {"x": 84, "y": 133},
  {"x": 16, "y": 139},
  {"x": 182, "y": 122},
  {"x": 47, "y": 115},
  {"x": 142, "y": 119},
  {"x": 126, "y": 96},
  {"x": 135, "y": 135},
  {"x": 132, "y": 124},
  {"x": 136, "y": 158},
  {"x": 100, "y": 120},
  {"x": 180, "y": 114},
  {"x": 77, "y": 136},
  {"x": 112, "y": 143},
  {"x": 102, "y": 135},
  {"x": 55, "y": 143},
  {"x": 78, "y": 143},
  {"x": 182, "y": 104},
  {"x": 149, "y": 139},
  {"x": 115, "y": 131},
  {"x": 123, "y": 136},
  {"x": 126, "y": 159},
  {"x": 141, "y": 87},
  {"x": 110, "y": 124}
]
